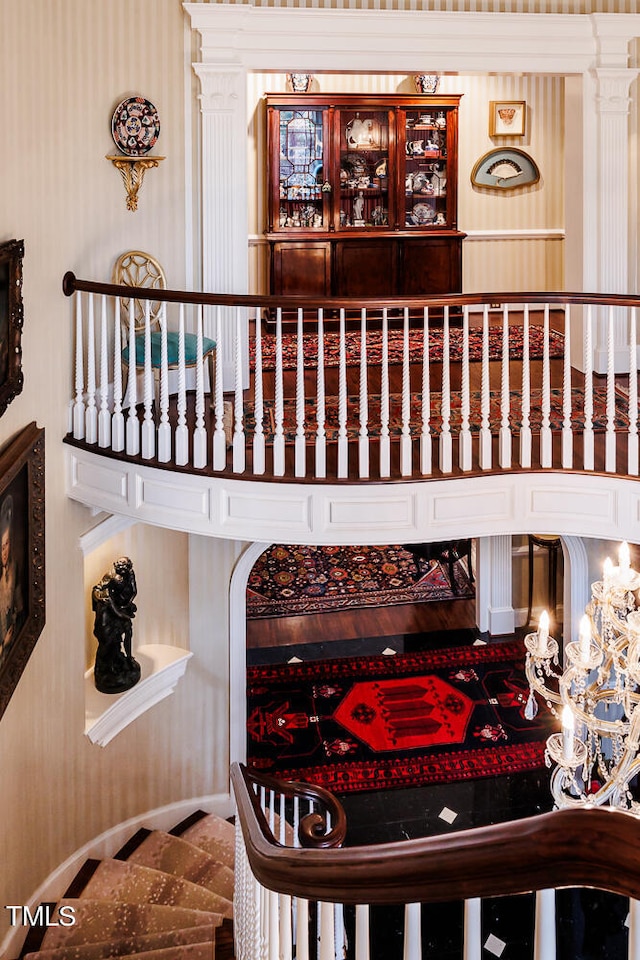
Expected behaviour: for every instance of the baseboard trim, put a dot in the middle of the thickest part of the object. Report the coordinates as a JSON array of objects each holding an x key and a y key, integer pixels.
[{"x": 105, "y": 845}]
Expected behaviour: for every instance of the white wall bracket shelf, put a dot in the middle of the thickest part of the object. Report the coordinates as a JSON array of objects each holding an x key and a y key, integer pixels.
[{"x": 107, "y": 714}]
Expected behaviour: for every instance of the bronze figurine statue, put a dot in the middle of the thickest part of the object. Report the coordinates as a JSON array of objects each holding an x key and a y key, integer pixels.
[{"x": 115, "y": 669}]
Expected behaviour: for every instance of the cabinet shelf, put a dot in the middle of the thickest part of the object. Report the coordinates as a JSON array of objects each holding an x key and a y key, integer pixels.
[
  {"x": 107, "y": 714},
  {"x": 336, "y": 143}
]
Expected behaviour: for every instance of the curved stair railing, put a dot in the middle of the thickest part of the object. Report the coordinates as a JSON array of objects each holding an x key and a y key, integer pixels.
[
  {"x": 285, "y": 879},
  {"x": 358, "y": 389}
]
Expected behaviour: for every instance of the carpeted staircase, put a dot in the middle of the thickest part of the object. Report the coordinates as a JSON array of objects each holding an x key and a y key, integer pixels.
[{"x": 163, "y": 896}]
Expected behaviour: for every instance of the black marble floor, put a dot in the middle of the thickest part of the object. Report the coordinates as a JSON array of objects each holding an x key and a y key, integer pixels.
[{"x": 590, "y": 925}]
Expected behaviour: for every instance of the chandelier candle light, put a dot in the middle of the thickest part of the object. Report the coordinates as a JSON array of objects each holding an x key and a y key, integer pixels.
[{"x": 596, "y": 753}]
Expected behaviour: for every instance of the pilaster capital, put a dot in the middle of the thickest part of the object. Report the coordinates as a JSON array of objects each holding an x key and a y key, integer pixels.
[
  {"x": 612, "y": 89},
  {"x": 221, "y": 87}
]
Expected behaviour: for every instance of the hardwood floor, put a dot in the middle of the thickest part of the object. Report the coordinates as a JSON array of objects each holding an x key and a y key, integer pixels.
[{"x": 409, "y": 618}]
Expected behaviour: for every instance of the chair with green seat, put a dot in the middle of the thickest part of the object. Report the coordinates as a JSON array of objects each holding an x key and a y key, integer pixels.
[{"x": 137, "y": 269}]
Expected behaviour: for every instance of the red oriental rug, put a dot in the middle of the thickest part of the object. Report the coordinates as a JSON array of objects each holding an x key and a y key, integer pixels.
[
  {"x": 395, "y": 346},
  {"x": 373, "y": 723},
  {"x": 556, "y": 415},
  {"x": 287, "y": 581}
]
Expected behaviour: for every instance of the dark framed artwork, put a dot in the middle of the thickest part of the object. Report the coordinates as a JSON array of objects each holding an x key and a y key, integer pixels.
[
  {"x": 11, "y": 320},
  {"x": 22, "y": 570}
]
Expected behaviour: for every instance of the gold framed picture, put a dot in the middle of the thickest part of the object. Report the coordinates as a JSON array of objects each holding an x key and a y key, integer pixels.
[{"x": 507, "y": 118}]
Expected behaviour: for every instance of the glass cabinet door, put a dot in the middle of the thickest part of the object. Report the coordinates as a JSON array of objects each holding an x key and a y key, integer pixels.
[
  {"x": 363, "y": 169},
  {"x": 425, "y": 169},
  {"x": 303, "y": 202}
]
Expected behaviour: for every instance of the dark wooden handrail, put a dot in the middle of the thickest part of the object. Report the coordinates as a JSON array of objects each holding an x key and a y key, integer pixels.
[
  {"x": 313, "y": 830},
  {"x": 588, "y": 847},
  {"x": 71, "y": 284}
]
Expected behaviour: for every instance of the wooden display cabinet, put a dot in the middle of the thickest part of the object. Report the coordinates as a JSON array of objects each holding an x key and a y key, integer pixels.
[{"x": 362, "y": 195}]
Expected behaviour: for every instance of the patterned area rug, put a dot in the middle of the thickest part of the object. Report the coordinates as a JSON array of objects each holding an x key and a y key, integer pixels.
[
  {"x": 395, "y": 345},
  {"x": 287, "y": 581},
  {"x": 395, "y": 413},
  {"x": 372, "y": 723}
]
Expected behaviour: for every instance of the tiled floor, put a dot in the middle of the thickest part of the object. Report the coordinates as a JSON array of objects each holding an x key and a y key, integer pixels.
[{"x": 590, "y": 925}]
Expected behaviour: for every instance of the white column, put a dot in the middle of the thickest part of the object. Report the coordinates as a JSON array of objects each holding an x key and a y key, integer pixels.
[
  {"x": 223, "y": 107},
  {"x": 494, "y": 601},
  {"x": 606, "y": 144}
]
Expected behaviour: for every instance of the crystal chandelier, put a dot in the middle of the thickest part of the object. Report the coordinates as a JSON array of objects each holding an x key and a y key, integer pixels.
[{"x": 596, "y": 696}]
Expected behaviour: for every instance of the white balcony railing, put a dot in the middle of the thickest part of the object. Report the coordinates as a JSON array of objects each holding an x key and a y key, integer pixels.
[{"x": 351, "y": 391}]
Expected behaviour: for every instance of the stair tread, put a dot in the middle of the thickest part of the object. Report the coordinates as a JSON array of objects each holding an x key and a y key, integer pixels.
[
  {"x": 98, "y": 920},
  {"x": 123, "y": 946},
  {"x": 213, "y": 835},
  {"x": 179, "y": 857},
  {"x": 123, "y": 880},
  {"x": 194, "y": 951}
]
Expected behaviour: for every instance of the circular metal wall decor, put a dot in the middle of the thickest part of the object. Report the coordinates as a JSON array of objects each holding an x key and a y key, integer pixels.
[{"x": 504, "y": 169}]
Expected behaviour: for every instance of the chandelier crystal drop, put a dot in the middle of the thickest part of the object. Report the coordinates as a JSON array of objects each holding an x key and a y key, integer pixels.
[{"x": 596, "y": 696}]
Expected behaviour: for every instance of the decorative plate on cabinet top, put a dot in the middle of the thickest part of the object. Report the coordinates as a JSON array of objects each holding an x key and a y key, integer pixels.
[{"x": 135, "y": 126}]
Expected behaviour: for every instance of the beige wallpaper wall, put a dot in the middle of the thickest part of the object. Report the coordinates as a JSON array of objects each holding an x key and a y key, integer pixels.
[{"x": 64, "y": 66}]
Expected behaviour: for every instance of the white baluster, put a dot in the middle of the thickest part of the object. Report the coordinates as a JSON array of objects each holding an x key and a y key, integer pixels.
[
  {"x": 413, "y": 929},
  {"x": 544, "y": 938},
  {"x": 446, "y": 459},
  {"x": 258, "y": 437},
  {"x": 363, "y": 438},
  {"x": 117, "y": 421},
  {"x": 385, "y": 443},
  {"x": 610, "y": 448},
  {"x": 164, "y": 428},
  {"x": 485, "y": 452},
  {"x": 406, "y": 466},
  {"x": 133, "y": 424},
  {"x": 588, "y": 440},
  {"x": 300, "y": 466},
  {"x": 525, "y": 429},
  {"x": 634, "y": 928},
  {"x": 425, "y": 435},
  {"x": 504, "y": 447},
  {"x": 362, "y": 951},
  {"x": 182, "y": 434},
  {"x": 302, "y": 929},
  {"x": 78, "y": 407},
  {"x": 148, "y": 426},
  {"x": 545, "y": 425},
  {"x": 104, "y": 417},
  {"x": 286, "y": 936},
  {"x": 200, "y": 432},
  {"x": 219, "y": 436},
  {"x": 282, "y": 825},
  {"x": 327, "y": 931},
  {"x": 278, "y": 439},
  {"x": 239, "y": 440},
  {"x": 472, "y": 946},
  {"x": 91, "y": 416},
  {"x": 343, "y": 443},
  {"x": 464, "y": 441},
  {"x": 264, "y": 926},
  {"x": 273, "y": 942},
  {"x": 321, "y": 436},
  {"x": 340, "y": 945},
  {"x": 567, "y": 430},
  {"x": 632, "y": 447}
]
